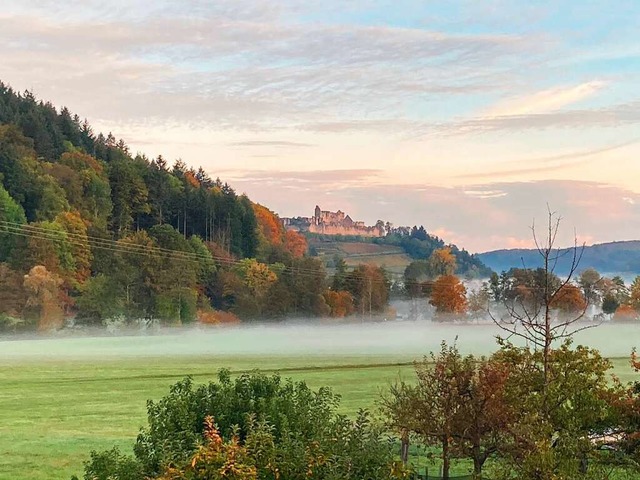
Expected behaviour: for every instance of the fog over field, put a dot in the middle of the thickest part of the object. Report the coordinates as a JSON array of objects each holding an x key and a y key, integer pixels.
[{"x": 405, "y": 340}]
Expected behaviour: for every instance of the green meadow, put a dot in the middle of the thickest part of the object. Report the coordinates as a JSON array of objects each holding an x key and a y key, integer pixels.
[{"x": 56, "y": 408}]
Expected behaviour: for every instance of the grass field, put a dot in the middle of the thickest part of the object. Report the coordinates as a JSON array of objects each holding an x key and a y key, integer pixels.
[{"x": 58, "y": 401}]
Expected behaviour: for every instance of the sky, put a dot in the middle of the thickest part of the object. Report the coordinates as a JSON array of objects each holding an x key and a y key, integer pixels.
[{"x": 470, "y": 118}]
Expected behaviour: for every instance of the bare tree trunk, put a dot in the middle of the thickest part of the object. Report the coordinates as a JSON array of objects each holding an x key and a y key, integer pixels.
[{"x": 446, "y": 461}]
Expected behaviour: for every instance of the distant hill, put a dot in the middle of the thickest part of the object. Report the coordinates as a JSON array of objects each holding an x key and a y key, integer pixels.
[{"x": 614, "y": 257}]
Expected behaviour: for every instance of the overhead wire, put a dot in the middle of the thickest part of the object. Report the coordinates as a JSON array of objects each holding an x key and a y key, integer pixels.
[{"x": 81, "y": 240}]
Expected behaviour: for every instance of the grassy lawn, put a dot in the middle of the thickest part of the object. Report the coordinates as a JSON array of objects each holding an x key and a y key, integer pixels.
[{"x": 53, "y": 412}]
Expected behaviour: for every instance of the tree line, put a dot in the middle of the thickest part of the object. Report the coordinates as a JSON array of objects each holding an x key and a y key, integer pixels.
[{"x": 91, "y": 232}]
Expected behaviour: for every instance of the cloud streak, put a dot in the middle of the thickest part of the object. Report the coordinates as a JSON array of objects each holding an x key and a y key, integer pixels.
[{"x": 544, "y": 101}]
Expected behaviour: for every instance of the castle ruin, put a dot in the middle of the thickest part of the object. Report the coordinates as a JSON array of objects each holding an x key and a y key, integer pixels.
[{"x": 324, "y": 222}]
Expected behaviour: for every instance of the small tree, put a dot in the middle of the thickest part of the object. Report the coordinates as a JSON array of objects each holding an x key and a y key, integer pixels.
[
  {"x": 441, "y": 262},
  {"x": 43, "y": 288},
  {"x": 531, "y": 318},
  {"x": 449, "y": 296},
  {"x": 458, "y": 404}
]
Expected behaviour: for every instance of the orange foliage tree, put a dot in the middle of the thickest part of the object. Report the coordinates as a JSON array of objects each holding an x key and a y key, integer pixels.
[
  {"x": 269, "y": 224},
  {"x": 569, "y": 299},
  {"x": 449, "y": 295},
  {"x": 340, "y": 303},
  {"x": 626, "y": 313},
  {"x": 295, "y": 243}
]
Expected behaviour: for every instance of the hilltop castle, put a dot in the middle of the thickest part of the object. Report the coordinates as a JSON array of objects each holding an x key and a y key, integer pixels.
[{"x": 325, "y": 222}]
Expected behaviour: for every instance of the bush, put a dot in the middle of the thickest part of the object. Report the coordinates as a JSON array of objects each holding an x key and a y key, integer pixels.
[{"x": 283, "y": 430}]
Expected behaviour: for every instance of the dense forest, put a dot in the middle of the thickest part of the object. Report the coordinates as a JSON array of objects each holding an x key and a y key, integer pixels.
[{"x": 93, "y": 233}]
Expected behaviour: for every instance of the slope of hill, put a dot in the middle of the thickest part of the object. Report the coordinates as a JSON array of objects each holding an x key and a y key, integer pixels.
[
  {"x": 392, "y": 258},
  {"x": 394, "y": 252},
  {"x": 90, "y": 233},
  {"x": 614, "y": 257}
]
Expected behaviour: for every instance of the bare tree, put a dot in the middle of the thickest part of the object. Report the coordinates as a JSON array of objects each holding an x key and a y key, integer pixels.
[{"x": 530, "y": 317}]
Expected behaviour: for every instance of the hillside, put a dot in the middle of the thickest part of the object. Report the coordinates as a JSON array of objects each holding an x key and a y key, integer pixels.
[
  {"x": 393, "y": 259},
  {"x": 397, "y": 249},
  {"x": 614, "y": 257},
  {"x": 92, "y": 234}
]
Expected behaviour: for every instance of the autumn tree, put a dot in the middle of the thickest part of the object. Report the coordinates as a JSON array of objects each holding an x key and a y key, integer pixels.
[
  {"x": 295, "y": 243},
  {"x": 626, "y": 313},
  {"x": 449, "y": 296},
  {"x": 458, "y": 404},
  {"x": 556, "y": 411},
  {"x": 478, "y": 301},
  {"x": 79, "y": 246},
  {"x": 441, "y": 262},
  {"x": 249, "y": 284},
  {"x": 215, "y": 460},
  {"x": 43, "y": 289},
  {"x": 569, "y": 301},
  {"x": 12, "y": 216},
  {"x": 13, "y": 295},
  {"x": 340, "y": 303}
]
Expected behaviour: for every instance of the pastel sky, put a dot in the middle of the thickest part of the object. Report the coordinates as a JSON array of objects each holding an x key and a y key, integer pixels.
[{"x": 468, "y": 117}]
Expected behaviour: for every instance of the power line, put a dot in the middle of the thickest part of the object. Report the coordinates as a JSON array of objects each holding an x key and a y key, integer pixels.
[{"x": 32, "y": 231}]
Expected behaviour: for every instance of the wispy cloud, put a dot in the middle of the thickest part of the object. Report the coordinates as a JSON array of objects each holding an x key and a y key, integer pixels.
[
  {"x": 616, "y": 115},
  {"x": 550, "y": 163},
  {"x": 544, "y": 101}
]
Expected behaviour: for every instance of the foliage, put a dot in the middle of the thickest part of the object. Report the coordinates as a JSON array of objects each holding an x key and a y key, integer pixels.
[
  {"x": 43, "y": 289},
  {"x": 340, "y": 303},
  {"x": 441, "y": 263},
  {"x": 156, "y": 236},
  {"x": 569, "y": 300},
  {"x": 558, "y": 409},
  {"x": 449, "y": 296},
  {"x": 369, "y": 287},
  {"x": 626, "y": 313},
  {"x": 11, "y": 216},
  {"x": 458, "y": 404},
  {"x": 265, "y": 428},
  {"x": 214, "y": 460}
]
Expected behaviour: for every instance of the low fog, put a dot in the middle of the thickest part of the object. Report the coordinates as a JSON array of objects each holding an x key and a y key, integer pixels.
[{"x": 400, "y": 339}]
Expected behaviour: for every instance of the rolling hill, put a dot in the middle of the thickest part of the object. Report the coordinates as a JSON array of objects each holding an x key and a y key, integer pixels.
[{"x": 614, "y": 257}]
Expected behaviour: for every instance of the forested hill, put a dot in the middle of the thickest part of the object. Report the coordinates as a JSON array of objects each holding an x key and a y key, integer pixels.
[
  {"x": 121, "y": 234},
  {"x": 614, "y": 257},
  {"x": 53, "y": 163}
]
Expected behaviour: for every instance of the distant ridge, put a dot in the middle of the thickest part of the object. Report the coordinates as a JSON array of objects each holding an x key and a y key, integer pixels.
[{"x": 613, "y": 257}]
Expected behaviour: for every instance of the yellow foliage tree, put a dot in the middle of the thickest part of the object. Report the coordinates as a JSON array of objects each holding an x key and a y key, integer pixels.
[
  {"x": 442, "y": 262},
  {"x": 43, "y": 289},
  {"x": 76, "y": 229}
]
